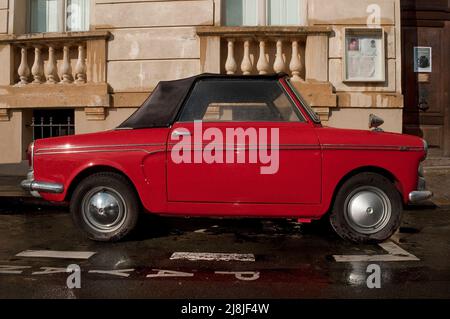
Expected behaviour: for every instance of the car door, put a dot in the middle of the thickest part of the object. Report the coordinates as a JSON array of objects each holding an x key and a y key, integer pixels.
[{"x": 242, "y": 141}]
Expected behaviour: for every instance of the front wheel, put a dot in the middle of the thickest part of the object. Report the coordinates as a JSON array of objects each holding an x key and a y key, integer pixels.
[
  {"x": 105, "y": 206},
  {"x": 367, "y": 209}
]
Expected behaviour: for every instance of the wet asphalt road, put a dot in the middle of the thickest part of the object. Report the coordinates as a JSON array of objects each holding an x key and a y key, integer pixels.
[{"x": 291, "y": 260}]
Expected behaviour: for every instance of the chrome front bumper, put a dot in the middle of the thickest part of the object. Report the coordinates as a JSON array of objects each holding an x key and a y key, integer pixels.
[
  {"x": 421, "y": 194},
  {"x": 34, "y": 187},
  {"x": 418, "y": 196}
]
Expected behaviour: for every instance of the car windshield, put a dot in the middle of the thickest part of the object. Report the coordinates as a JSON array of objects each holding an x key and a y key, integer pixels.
[{"x": 308, "y": 108}]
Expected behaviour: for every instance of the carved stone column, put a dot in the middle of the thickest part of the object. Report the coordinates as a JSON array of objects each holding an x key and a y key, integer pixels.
[
  {"x": 66, "y": 69},
  {"x": 50, "y": 70},
  {"x": 230, "y": 64},
  {"x": 80, "y": 68},
  {"x": 263, "y": 63},
  {"x": 38, "y": 66},
  {"x": 24, "y": 69},
  {"x": 246, "y": 65},
  {"x": 296, "y": 64},
  {"x": 279, "y": 64}
]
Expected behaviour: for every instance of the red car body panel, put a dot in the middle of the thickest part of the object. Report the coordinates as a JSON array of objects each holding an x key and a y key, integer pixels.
[{"x": 313, "y": 161}]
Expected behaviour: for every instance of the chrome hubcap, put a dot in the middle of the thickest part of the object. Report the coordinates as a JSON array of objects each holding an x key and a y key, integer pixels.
[
  {"x": 368, "y": 209},
  {"x": 104, "y": 209}
]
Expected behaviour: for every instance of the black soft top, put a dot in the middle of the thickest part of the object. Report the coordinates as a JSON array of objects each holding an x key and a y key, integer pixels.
[{"x": 161, "y": 108}]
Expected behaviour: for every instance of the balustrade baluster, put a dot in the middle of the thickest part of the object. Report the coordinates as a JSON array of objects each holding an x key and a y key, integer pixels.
[
  {"x": 263, "y": 64},
  {"x": 66, "y": 69},
  {"x": 80, "y": 68},
  {"x": 23, "y": 70},
  {"x": 296, "y": 64},
  {"x": 50, "y": 70},
  {"x": 246, "y": 65},
  {"x": 279, "y": 64},
  {"x": 230, "y": 64}
]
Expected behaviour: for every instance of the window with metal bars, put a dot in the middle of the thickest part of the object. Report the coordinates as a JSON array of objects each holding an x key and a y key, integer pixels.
[{"x": 52, "y": 123}]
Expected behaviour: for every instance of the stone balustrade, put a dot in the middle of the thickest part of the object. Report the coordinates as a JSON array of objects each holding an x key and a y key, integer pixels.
[
  {"x": 55, "y": 58},
  {"x": 55, "y": 70},
  {"x": 263, "y": 64},
  {"x": 263, "y": 50},
  {"x": 46, "y": 70}
]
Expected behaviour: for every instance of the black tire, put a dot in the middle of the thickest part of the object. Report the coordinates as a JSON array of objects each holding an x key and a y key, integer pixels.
[
  {"x": 348, "y": 218},
  {"x": 118, "y": 190}
]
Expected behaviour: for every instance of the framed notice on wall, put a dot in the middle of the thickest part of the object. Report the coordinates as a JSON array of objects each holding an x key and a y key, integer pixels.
[
  {"x": 423, "y": 60},
  {"x": 364, "y": 55}
]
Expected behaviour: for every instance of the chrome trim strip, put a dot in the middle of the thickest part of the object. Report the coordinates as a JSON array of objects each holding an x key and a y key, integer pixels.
[
  {"x": 244, "y": 145},
  {"x": 104, "y": 151},
  {"x": 98, "y": 146},
  {"x": 199, "y": 149},
  {"x": 371, "y": 147},
  {"x": 418, "y": 196}
]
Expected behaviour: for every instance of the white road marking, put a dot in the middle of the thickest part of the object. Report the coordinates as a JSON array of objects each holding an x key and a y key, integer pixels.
[
  {"x": 120, "y": 273},
  {"x": 201, "y": 231},
  {"x": 212, "y": 256},
  {"x": 14, "y": 270},
  {"x": 50, "y": 271},
  {"x": 241, "y": 275},
  {"x": 57, "y": 254},
  {"x": 169, "y": 273},
  {"x": 395, "y": 253}
]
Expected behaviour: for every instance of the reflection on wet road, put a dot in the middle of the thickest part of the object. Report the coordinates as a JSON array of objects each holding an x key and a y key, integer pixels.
[{"x": 219, "y": 258}]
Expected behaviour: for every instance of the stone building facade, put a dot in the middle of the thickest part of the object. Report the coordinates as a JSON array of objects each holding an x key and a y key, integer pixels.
[{"x": 90, "y": 76}]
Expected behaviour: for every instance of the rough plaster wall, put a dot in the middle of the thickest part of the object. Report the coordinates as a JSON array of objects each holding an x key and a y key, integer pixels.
[
  {"x": 11, "y": 138},
  {"x": 152, "y": 40},
  {"x": 356, "y": 118},
  {"x": 114, "y": 118}
]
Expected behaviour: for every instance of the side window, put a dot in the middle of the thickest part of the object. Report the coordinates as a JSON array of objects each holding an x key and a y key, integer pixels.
[{"x": 225, "y": 100}]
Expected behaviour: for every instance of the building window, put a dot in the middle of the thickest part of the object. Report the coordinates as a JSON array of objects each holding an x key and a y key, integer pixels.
[
  {"x": 58, "y": 15},
  {"x": 52, "y": 123},
  {"x": 264, "y": 12}
]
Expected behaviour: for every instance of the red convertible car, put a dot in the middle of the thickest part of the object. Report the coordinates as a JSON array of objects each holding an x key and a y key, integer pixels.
[{"x": 218, "y": 145}]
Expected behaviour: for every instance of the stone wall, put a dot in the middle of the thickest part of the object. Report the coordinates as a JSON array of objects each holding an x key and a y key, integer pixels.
[{"x": 379, "y": 98}]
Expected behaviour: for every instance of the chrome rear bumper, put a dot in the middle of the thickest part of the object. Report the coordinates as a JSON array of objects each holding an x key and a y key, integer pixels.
[{"x": 34, "y": 187}]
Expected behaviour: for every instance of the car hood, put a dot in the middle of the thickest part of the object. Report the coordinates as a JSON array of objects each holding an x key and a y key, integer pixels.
[
  {"x": 368, "y": 139},
  {"x": 107, "y": 138}
]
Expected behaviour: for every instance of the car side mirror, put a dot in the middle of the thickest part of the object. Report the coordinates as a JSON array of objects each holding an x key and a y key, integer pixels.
[{"x": 375, "y": 122}]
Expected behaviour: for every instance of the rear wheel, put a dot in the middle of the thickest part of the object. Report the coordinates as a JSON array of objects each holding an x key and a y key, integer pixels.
[
  {"x": 105, "y": 206},
  {"x": 367, "y": 209}
]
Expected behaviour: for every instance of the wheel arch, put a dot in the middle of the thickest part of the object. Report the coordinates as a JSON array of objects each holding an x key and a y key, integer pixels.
[
  {"x": 366, "y": 169},
  {"x": 88, "y": 171}
]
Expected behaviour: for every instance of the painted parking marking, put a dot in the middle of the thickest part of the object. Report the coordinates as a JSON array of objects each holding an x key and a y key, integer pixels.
[
  {"x": 50, "y": 271},
  {"x": 241, "y": 275},
  {"x": 13, "y": 270},
  {"x": 57, "y": 254},
  {"x": 119, "y": 273},
  {"x": 394, "y": 253},
  {"x": 169, "y": 273},
  {"x": 191, "y": 256}
]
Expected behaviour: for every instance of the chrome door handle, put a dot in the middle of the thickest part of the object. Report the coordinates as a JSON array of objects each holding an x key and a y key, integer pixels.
[{"x": 180, "y": 133}]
